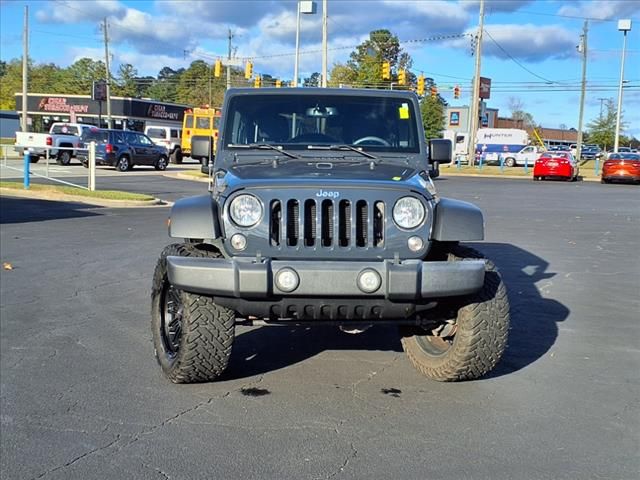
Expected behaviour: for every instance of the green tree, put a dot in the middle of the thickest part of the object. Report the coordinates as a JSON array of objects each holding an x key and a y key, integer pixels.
[
  {"x": 79, "y": 76},
  {"x": 10, "y": 84},
  {"x": 193, "y": 86},
  {"x": 433, "y": 118},
  {"x": 165, "y": 87},
  {"x": 365, "y": 62},
  {"x": 602, "y": 129},
  {"x": 126, "y": 84},
  {"x": 313, "y": 80}
]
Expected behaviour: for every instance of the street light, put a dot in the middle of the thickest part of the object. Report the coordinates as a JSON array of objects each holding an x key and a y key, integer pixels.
[
  {"x": 304, "y": 6},
  {"x": 623, "y": 26}
]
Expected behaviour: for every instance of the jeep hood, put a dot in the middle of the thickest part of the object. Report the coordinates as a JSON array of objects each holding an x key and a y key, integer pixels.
[{"x": 304, "y": 170}]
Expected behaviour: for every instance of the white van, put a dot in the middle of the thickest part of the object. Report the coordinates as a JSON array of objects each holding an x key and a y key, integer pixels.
[{"x": 168, "y": 137}]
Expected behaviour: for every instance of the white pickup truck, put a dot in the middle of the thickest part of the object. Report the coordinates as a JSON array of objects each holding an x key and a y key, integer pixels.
[
  {"x": 61, "y": 141},
  {"x": 528, "y": 155}
]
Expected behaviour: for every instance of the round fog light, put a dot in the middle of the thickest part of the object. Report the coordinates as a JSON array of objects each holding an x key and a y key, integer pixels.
[
  {"x": 415, "y": 244},
  {"x": 239, "y": 241},
  {"x": 287, "y": 280},
  {"x": 369, "y": 280}
]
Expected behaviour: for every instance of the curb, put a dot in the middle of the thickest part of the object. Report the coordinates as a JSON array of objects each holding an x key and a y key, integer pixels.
[
  {"x": 99, "y": 202},
  {"x": 520, "y": 177},
  {"x": 183, "y": 176}
]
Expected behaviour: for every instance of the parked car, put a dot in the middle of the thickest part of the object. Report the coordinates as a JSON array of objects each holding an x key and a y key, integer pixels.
[
  {"x": 64, "y": 136},
  {"x": 621, "y": 167},
  {"x": 590, "y": 152},
  {"x": 556, "y": 165},
  {"x": 123, "y": 149},
  {"x": 527, "y": 156},
  {"x": 169, "y": 137}
]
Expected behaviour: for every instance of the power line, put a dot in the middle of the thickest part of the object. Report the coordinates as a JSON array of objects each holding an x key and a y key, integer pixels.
[{"x": 516, "y": 61}]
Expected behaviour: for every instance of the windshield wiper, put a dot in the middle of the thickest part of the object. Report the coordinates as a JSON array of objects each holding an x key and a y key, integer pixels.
[
  {"x": 343, "y": 147},
  {"x": 266, "y": 146}
]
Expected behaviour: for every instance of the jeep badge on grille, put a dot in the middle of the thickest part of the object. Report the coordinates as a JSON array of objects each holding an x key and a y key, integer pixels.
[{"x": 323, "y": 194}]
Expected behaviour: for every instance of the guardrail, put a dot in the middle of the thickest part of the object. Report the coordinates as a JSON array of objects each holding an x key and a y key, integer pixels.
[{"x": 28, "y": 171}]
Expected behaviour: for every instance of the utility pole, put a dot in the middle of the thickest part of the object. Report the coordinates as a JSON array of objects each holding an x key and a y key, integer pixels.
[
  {"x": 230, "y": 36},
  {"x": 475, "y": 96},
  {"x": 105, "y": 27},
  {"x": 297, "y": 60},
  {"x": 582, "y": 48},
  {"x": 324, "y": 43},
  {"x": 601, "y": 100},
  {"x": 25, "y": 67}
]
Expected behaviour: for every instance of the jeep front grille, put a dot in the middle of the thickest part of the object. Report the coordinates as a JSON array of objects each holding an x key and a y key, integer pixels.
[{"x": 326, "y": 223}]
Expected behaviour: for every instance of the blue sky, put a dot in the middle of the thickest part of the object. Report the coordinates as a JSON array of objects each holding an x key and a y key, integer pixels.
[{"x": 529, "y": 50}]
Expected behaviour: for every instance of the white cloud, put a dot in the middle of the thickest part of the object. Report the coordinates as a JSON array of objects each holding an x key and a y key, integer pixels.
[
  {"x": 602, "y": 9},
  {"x": 76, "y": 11},
  {"x": 533, "y": 43},
  {"x": 231, "y": 13},
  {"x": 495, "y": 6}
]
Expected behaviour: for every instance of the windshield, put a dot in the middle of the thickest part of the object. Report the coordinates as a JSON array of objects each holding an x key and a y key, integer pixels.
[
  {"x": 157, "y": 133},
  {"x": 64, "y": 130},
  {"x": 374, "y": 123},
  {"x": 98, "y": 136}
]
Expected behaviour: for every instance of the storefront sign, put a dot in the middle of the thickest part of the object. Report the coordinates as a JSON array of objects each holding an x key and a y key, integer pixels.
[
  {"x": 160, "y": 111},
  {"x": 60, "y": 105}
]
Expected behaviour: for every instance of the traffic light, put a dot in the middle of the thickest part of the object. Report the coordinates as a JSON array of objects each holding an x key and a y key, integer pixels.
[
  {"x": 278, "y": 83},
  {"x": 456, "y": 92},
  {"x": 386, "y": 71},
  {"x": 402, "y": 77},
  {"x": 217, "y": 68},
  {"x": 257, "y": 83},
  {"x": 248, "y": 70},
  {"x": 434, "y": 91},
  {"x": 421, "y": 85}
]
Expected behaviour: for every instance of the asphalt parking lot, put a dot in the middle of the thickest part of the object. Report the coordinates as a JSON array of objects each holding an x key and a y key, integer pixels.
[{"x": 81, "y": 395}]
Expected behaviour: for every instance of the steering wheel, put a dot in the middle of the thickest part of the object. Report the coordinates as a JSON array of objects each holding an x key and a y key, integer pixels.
[{"x": 375, "y": 140}]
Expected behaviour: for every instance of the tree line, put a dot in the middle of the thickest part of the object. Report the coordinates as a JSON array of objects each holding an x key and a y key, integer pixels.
[{"x": 196, "y": 85}]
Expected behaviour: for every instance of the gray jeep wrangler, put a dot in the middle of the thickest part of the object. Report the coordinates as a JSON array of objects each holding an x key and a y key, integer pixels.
[{"x": 321, "y": 211}]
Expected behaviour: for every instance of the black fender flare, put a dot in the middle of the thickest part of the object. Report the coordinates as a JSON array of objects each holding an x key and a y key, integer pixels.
[
  {"x": 455, "y": 220},
  {"x": 195, "y": 217}
]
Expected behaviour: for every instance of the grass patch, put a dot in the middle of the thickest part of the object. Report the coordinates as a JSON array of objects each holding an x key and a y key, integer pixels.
[
  {"x": 587, "y": 170},
  {"x": 79, "y": 192}
]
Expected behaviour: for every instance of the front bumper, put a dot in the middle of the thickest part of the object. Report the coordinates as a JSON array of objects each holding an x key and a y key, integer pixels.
[{"x": 407, "y": 281}]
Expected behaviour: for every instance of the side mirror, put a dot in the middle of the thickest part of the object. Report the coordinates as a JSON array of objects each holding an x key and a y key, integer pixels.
[{"x": 440, "y": 150}]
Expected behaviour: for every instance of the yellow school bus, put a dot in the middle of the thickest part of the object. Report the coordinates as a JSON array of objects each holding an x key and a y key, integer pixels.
[{"x": 200, "y": 128}]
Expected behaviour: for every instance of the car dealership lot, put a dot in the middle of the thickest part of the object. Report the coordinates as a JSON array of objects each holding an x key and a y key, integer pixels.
[{"x": 82, "y": 397}]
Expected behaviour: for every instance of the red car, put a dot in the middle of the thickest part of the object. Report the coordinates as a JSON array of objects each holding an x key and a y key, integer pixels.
[
  {"x": 556, "y": 165},
  {"x": 621, "y": 166}
]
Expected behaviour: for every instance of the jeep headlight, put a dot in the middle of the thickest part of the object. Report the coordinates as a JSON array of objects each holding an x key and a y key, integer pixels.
[
  {"x": 245, "y": 210},
  {"x": 408, "y": 212}
]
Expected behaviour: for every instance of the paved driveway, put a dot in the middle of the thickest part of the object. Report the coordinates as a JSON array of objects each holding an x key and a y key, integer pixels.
[{"x": 82, "y": 397}]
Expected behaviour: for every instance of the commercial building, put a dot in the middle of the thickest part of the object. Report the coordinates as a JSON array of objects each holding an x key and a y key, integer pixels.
[
  {"x": 126, "y": 113},
  {"x": 457, "y": 119}
]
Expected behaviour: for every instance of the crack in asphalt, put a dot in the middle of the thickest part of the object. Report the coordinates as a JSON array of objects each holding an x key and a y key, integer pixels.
[
  {"x": 157, "y": 470},
  {"x": 353, "y": 454},
  {"x": 78, "y": 458}
]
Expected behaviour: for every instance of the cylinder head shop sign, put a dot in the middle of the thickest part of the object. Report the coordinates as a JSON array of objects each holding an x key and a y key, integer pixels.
[
  {"x": 60, "y": 105},
  {"x": 161, "y": 112}
]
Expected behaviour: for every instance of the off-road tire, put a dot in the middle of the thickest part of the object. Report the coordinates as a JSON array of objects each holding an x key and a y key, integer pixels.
[
  {"x": 64, "y": 157},
  {"x": 207, "y": 329},
  {"x": 176, "y": 156},
  {"x": 482, "y": 322}
]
